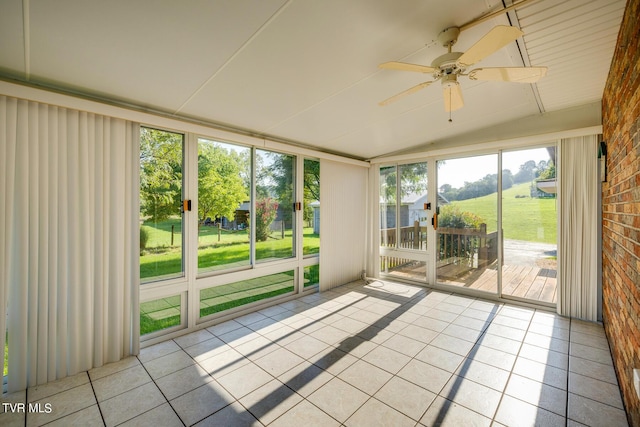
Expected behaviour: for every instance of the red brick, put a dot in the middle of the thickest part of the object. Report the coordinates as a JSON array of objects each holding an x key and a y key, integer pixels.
[{"x": 621, "y": 209}]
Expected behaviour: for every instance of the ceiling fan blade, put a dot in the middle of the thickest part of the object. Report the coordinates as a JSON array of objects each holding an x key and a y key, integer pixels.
[
  {"x": 452, "y": 94},
  {"x": 403, "y": 66},
  {"x": 493, "y": 41},
  {"x": 404, "y": 93},
  {"x": 509, "y": 74}
]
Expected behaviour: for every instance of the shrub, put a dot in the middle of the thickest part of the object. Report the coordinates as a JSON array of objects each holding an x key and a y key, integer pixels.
[
  {"x": 451, "y": 216},
  {"x": 266, "y": 210},
  {"x": 144, "y": 237}
]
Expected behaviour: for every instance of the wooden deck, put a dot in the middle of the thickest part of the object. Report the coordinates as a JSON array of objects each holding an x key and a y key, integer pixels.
[
  {"x": 539, "y": 284},
  {"x": 534, "y": 283}
]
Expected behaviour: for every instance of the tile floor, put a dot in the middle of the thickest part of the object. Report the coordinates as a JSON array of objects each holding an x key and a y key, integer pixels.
[{"x": 380, "y": 354}]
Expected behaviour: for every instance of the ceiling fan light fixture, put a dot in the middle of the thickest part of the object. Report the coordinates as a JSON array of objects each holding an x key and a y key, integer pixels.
[
  {"x": 450, "y": 80},
  {"x": 452, "y": 93}
]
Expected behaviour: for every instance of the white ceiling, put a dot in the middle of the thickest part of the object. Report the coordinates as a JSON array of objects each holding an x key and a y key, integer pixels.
[{"x": 306, "y": 71}]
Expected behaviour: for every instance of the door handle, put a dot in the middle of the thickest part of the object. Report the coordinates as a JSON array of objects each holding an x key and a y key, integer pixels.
[{"x": 434, "y": 221}]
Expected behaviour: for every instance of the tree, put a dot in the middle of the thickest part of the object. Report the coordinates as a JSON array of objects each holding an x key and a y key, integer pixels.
[
  {"x": 549, "y": 171},
  {"x": 311, "y": 180},
  {"x": 276, "y": 180},
  {"x": 221, "y": 187},
  {"x": 526, "y": 172},
  {"x": 507, "y": 179},
  {"x": 412, "y": 180},
  {"x": 160, "y": 173},
  {"x": 311, "y": 184},
  {"x": 541, "y": 166}
]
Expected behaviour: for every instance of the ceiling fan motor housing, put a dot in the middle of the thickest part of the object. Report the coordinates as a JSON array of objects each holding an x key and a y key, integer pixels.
[
  {"x": 449, "y": 36},
  {"x": 447, "y": 64}
]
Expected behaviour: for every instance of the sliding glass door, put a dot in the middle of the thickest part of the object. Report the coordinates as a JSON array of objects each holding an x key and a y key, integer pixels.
[
  {"x": 467, "y": 226},
  {"x": 162, "y": 234},
  {"x": 404, "y": 220},
  {"x": 494, "y": 225},
  {"x": 529, "y": 223}
]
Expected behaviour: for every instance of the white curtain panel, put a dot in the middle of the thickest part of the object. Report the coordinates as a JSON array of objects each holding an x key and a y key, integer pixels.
[
  {"x": 343, "y": 222},
  {"x": 578, "y": 242},
  {"x": 68, "y": 240}
]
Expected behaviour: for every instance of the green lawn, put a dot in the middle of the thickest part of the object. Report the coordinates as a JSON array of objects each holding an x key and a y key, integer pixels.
[
  {"x": 220, "y": 298},
  {"x": 165, "y": 313},
  {"x": 529, "y": 219},
  {"x": 159, "y": 314},
  {"x": 162, "y": 259}
]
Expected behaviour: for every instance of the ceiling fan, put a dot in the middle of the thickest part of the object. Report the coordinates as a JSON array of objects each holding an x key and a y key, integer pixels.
[{"x": 449, "y": 66}]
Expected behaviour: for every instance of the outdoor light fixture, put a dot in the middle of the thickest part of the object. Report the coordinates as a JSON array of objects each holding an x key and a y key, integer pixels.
[{"x": 602, "y": 155}]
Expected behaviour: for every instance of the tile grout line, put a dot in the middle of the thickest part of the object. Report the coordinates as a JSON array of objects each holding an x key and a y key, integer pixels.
[
  {"x": 96, "y": 397},
  {"x": 495, "y": 414},
  {"x": 159, "y": 389},
  {"x": 361, "y": 358}
]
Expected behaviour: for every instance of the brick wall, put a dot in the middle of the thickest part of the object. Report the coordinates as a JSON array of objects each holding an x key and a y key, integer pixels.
[{"x": 621, "y": 208}]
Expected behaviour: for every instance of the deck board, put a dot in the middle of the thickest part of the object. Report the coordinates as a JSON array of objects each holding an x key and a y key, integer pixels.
[{"x": 530, "y": 282}]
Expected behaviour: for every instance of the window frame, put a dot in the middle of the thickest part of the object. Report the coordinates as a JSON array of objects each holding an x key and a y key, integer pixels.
[{"x": 193, "y": 282}]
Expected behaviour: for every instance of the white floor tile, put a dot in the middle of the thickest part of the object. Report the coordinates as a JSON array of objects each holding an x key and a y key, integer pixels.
[
  {"x": 375, "y": 413},
  {"x": 381, "y": 354},
  {"x": 405, "y": 397},
  {"x": 338, "y": 399},
  {"x": 446, "y": 413}
]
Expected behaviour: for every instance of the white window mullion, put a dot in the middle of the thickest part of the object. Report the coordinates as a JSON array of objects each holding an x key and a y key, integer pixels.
[
  {"x": 252, "y": 211},
  {"x": 432, "y": 191},
  {"x": 190, "y": 241},
  {"x": 500, "y": 239},
  {"x": 299, "y": 221}
]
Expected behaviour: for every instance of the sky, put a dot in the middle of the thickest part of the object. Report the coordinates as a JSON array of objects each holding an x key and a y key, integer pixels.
[{"x": 456, "y": 171}]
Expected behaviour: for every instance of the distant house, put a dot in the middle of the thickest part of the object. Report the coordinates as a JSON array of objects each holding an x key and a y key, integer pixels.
[
  {"x": 411, "y": 210},
  {"x": 316, "y": 216},
  {"x": 547, "y": 186},
  {"x": 241, "y": 216}
]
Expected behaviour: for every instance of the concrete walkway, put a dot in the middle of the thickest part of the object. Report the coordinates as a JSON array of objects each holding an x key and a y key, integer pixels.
[{"x": 519, "y": 252}]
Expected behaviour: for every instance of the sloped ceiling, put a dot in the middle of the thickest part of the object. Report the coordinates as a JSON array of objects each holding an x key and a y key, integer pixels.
[{"x": 306, "y": 71}]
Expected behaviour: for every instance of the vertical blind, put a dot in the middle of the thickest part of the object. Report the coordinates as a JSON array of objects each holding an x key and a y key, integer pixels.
[
  {"x": 343, "y": 216},
  {"x": 68, "y": 226},
  {"x": 578, "y": 242}
]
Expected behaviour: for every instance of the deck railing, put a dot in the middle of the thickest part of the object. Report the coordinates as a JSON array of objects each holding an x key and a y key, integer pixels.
[
  {"x": 473, "y": 247},
  {"x": 411, "y": 237}
]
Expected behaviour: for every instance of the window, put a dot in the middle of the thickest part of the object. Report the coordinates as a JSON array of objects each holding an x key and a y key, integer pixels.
[
  {"x": 160, "y": 314},
  {"x": 388, "y": 194},
  {"x": 244, "y": 208},
  {"x": 161, "y": 217},
  {"x": 311, "y": 206},
  {"x": 219, "y": 298},
  {"x": 311, "y": 275},
  {"x": 224, "y": 206},
  {"x": 274, "y": 217},
  {"x": 404, "y": 226}
]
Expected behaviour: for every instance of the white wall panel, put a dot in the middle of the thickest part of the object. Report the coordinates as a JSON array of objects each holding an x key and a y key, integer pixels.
[{"x": 343, "y": 213}]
